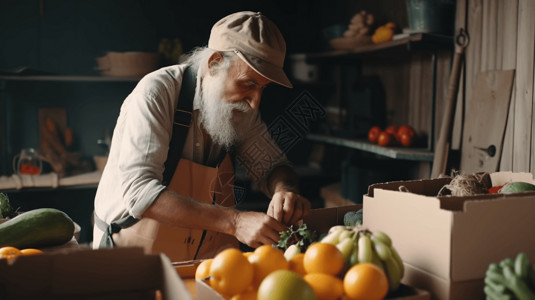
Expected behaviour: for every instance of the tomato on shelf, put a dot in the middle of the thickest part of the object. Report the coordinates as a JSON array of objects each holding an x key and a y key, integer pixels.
[
  {"x": 373, "y": 133},
  {"x": 385, "y": 139},
  {"x": 392, "y": 129},
  {"x": 406, "y": 135}
]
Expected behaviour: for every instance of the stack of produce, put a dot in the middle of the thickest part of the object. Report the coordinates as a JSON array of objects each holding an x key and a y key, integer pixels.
[
  {"x": 511, "y": 279},
  {"x": 347, "y": 263},
  {"x": 466, "y": 184},
  {"x": 359, "y": 245},
  {"x": 393, "y": 135}
]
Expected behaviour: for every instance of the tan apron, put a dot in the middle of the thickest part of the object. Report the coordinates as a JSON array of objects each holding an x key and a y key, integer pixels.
[{"x": 202, "y": 183}]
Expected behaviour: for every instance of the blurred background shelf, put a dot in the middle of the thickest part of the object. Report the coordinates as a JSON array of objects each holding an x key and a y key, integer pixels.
[
  {"x": 405, "y": 43},
  {"x": 71, "y": 78},
  {"x": 415, "y": 154}
]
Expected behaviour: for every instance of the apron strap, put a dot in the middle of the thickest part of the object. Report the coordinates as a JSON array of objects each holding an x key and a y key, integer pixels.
[
  {"x": 181, "y": 123},
  {"x": 114, "y": 227}
]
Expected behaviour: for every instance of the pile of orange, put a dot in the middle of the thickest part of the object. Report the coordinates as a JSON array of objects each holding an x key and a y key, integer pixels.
[
  {"x": 319, "y": 273},
  {"x": 10, "y": 253}
]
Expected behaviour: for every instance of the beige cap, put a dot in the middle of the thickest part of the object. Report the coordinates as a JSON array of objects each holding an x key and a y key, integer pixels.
[{"x": 256, "y": 40}]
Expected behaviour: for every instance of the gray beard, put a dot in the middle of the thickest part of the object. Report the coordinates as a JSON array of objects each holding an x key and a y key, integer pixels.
[{"x": 217, "y": 114}]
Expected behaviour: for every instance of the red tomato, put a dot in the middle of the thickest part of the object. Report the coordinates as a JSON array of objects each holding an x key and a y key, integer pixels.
[
  {"x": 405, "y": 128},
  {"x": 406, "y": 139},
  {"x": 392, "y": 129},
  {"x": 495, "y": 189},
  {"x": 373, "y": 134},
  {"x": 385, "y": 139}
]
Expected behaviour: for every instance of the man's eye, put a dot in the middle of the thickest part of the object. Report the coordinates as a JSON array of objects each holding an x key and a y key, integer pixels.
[{"x": 249, "y": 85}]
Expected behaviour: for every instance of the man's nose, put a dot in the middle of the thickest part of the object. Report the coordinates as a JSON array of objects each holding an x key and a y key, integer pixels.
[{"x": 254, "y": 100}]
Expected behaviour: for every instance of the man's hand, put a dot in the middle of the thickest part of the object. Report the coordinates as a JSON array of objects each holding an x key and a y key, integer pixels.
[
  {"x": 256, "y": 229},
  {"x": 288, "y": 207}
]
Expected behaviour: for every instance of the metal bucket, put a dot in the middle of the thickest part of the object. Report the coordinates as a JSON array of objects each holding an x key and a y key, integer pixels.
[{"x": 431, "y": 16}]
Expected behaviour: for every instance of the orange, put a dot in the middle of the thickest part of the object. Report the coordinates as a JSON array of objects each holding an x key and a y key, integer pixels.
[
  {"x": 9, "y": 252},
  {"x": 266, "y": 259},
  {"x": 30, "y": 251},
  {"x": 203, "y": 271},
  {"x": 323, "y": 258},
  {"x": 247, "y": 254},
  {"x": 296, "y": 264},
  {"x": 231, "y": 272},
  {"x": 325, "y": 286},
  {"x": 249, "y": 294},
  {"x": 365, "y": 281}
]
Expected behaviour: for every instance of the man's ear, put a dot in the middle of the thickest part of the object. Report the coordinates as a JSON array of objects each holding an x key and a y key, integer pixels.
[{"x": 215, "y": 59}]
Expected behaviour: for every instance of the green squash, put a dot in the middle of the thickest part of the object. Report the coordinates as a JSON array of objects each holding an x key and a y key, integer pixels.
[
  {"x": 42, "y": 227},
  {"x": 517, "y": 187}
]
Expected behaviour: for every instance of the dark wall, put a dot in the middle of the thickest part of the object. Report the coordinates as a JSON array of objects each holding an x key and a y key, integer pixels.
[{"x": 64, "y": 37}]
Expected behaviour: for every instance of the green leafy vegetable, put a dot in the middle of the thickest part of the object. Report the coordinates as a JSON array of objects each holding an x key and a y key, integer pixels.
[
  {"x": 302, "y": 237},
  {"x": 352, "y": 218},
  {"x": 5, "y": 208}
]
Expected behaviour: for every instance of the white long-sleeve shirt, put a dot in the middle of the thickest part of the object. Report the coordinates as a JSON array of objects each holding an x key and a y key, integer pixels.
[{"x": 132, "y": 178}]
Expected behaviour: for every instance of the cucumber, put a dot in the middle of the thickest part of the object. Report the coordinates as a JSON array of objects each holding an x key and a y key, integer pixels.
[
  {"x": 517, "y": 187},
  {"x": 42, "y": 227}
]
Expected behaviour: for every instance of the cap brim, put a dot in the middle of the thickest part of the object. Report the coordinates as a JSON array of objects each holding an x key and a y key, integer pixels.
[{"x": 266, "y": 69}]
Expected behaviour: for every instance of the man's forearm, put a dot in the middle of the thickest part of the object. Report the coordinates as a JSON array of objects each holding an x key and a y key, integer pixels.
[{"x": 174, "y": 209}]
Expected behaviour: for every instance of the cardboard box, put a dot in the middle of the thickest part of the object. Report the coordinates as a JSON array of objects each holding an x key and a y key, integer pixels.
[
  {"x": 205, "y": 292},
  {"x": 447, "y": 243},
  {"x": 123, "y": 273},
  {"x": 320, "y": 220}
]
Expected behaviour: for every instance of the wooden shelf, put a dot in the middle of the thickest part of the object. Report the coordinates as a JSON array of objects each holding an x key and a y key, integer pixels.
[
  {"x": 419, "y": 41},
  {"x": 415, "y": 154},
  {"x": 60, "y": 78}
]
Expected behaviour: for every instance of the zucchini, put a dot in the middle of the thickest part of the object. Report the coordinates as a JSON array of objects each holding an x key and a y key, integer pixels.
[{"x": 41, "y": 227}]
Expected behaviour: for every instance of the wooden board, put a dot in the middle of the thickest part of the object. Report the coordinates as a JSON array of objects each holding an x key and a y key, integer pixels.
[
  {"x": 485, "y": 121},
  {"x": 525, "y": 64},
  {"x": 508, "y": 24}
]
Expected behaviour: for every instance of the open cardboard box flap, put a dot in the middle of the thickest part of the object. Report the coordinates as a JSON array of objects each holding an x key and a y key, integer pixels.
[
  {"x": 321, "y": 219},
  {"x": 122, "y": 273},
  {"x": 453, "y": 237}
]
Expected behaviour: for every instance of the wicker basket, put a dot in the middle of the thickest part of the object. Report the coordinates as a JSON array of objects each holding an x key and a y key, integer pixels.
[{"x": 127, "y": 64}]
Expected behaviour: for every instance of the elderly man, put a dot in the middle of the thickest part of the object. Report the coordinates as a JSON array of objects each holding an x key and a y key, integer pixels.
[{"x": 167, "y": 185}]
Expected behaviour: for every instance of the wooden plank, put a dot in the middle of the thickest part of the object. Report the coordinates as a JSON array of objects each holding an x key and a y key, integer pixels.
[
  {"x": 509, "y": 26},
  {"x": 484, "y": 37},
  {"x": 415, "y": 73},
  {"x": 492, "y": 34},
  {"x": 442, "y": 84},
  {"x": 485, "y": 122},
  {"x": 522, "y": 135},
  {"x": 488, "y": 36},
  {"x": 473, "y": 52},
  {"x": 499, "y": 34},
  {"x": 421, "y": 91},
  {"x": 456, "y": 134}
]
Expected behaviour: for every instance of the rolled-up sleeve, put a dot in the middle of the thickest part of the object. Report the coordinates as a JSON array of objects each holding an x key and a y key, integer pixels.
[
  {"x": 143, "y": 150},
  {"x": 259, "y": 154},
  {"x": 132, "y": 177}
]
